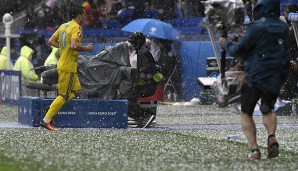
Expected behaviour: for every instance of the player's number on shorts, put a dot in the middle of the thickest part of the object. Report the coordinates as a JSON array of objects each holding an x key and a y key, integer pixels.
[{"x": 62, "y": 40}]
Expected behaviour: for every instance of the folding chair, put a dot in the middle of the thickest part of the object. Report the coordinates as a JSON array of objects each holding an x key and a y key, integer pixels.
[{"x": 150, "y": 103}]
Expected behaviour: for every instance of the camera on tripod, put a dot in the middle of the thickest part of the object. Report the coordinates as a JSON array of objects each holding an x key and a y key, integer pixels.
[
  {"x": 224, "y": 16},
  {"x": 229, "y": 12}
]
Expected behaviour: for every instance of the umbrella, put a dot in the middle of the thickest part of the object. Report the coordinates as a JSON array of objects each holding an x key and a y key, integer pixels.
[{"x": 153, "y": 27}]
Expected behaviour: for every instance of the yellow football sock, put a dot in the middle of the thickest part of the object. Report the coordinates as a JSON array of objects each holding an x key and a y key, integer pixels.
[{"x": 55, "y": 107}]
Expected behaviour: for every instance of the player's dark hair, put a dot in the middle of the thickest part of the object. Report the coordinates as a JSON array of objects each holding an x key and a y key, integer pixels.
[{"x": 76, "y": 10}]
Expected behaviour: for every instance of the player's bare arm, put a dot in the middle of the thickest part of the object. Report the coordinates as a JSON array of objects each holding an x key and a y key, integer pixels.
[
  {"x": 54, "y": 41},
  {"x": 76, "y": 45}
]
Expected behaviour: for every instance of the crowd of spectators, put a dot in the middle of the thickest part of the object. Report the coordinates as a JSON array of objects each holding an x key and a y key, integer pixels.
[
  {"x": 16, "y": 6},
  {"x": 110, "y": 13}
]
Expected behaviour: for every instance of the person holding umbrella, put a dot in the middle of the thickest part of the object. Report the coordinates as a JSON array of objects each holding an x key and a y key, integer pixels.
[
  {"x": 145, "y": 82},
  {"x": 153, "y": 28},
  {"x": 162, "y": 35}
]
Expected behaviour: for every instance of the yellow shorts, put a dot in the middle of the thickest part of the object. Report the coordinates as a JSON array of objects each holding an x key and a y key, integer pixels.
[{"x": 68, "y": 82}]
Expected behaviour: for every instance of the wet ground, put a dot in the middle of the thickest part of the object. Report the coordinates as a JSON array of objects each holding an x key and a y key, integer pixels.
[
  {"x": 226, "y": 121},
  {"x": 184, "y": 138},
  {"x": 200, "y": 117}
]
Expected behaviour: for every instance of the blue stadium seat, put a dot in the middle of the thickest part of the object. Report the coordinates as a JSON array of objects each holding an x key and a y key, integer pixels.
[
  {"x": 192, "y": 30},
  {"x": 292, "y": 1},
  {"x": 112, "y": 23},
  {"x": 178, "y": 14},
  {"x": 185, "y": 26},
  {"x": 151, "y": 14},
  {"x": 185, "y": 22},
  {"x": 45, "y": 33}
]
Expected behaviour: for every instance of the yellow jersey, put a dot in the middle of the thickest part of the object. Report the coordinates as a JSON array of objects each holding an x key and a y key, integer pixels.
[{"x": 68, "y": 56}]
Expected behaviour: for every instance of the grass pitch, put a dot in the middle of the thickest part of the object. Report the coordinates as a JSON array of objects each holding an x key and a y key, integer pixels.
[{"x": 188, "y": 138}]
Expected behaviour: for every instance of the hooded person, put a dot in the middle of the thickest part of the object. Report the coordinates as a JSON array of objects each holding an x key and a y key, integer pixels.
[
  {"x": 24, "y": 64},
  {"x": 3, "y": 60},
  {"x": 170, "y": 68},
  {"x": 53, "y": 58},
  {"x": 119, "y": 61},
  {"x": 265, "y": 51}
]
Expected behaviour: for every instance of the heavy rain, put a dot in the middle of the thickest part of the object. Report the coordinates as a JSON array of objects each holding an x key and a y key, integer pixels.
[{"x": 164, "y": 85}]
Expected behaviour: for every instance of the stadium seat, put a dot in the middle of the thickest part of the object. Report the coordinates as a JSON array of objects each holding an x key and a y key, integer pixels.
[
  {"x": 152, "y": 14},
  {"x": 113, "y": 24},
  {"x": 190, "y": 30},
  {"x": 185, "y": 22}
]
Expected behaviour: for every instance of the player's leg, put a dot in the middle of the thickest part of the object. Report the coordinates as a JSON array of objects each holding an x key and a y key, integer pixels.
[
  {"x": 270, "y": 122},
  {"x": 76, "y": 88},
  {"x": 66, "y": 82},
  {"x": 249, "y": 98}
]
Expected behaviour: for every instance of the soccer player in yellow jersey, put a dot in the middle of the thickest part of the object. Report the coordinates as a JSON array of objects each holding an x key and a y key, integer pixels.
[{"x": 68, "y": 38}]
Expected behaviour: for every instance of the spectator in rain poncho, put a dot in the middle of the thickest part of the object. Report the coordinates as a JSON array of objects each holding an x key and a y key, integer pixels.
[
  {"x": 53, "y": 58},
  {"x": 24, "y": 64},
  {"x": 3, "y": 60}
]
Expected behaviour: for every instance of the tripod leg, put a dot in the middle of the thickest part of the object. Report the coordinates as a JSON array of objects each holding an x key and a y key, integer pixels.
[
  {"x": 215, "y": 49},
  {"x": 223, "y": 63}
]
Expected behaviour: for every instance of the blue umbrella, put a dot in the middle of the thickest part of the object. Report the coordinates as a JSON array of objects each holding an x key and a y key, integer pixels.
[{"x": 153, "y": 27}]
